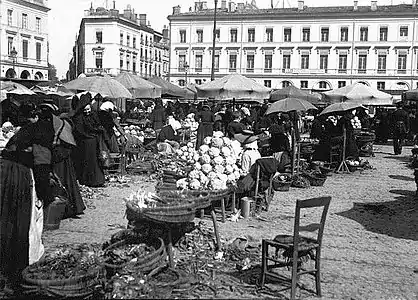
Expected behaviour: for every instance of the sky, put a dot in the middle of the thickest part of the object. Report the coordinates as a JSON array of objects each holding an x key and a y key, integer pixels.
[{"x": 65, "y": 16}]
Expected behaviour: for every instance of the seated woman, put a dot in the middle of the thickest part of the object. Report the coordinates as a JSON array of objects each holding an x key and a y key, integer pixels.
[
  {"x": 250, "y": 152},
  {"x": 167, "y": 139}
]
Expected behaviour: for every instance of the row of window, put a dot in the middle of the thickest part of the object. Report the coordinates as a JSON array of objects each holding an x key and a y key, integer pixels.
[
  {"x": 99, "y": 39},
  {"x": 323, "y": 85},
  {"x": 304, "y": 62},
  {"x": 306, "y": 34},
  {"x": 25, "y": 48},
  {"x": 24, "y": 23}
]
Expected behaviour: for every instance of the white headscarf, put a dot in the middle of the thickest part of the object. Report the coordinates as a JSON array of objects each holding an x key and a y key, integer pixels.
[{"x": 108, "y": 105}]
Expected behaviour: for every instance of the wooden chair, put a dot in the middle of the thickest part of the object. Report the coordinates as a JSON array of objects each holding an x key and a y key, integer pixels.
[
  {"x": 118, "y": 162},
  {"x": 296, "y": 246},
  {"x": 269, "y": 193},
  {"x": 335, "y": 156}
]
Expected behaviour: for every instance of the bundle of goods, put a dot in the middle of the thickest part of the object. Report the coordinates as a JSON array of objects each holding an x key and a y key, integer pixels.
[
  {"x": 7, "y": 130},
  {"x": 282, "y": 182},
  {"x": 365, "y": 142},
  {"x": 173, "y": 210},
  {"x": 144, "y": 256},
  {"x": 172, "y": 168},
  {"x": 315, "y": 178},
  {"x": 150, "y": 133},
  {"x": 71, "y": 271},
  {"x": 300, "y": 181},
  {"x": 354, "y": 165},
  {"x": 135, "y": 138},
  {"x": 190, "y": 123},
  {"x": 214, "y": 164},
  {"x": 320, "y": 166}
]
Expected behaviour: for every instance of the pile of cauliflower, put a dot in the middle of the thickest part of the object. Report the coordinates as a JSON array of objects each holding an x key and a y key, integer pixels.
[
  {"x": 214, "y": 164},
  {"x": 355, "y": 122},
  {"x": 190, "y": 122}
]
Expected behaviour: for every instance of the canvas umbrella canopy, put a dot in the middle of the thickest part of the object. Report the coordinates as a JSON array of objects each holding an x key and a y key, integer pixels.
[
  {"x": 360, "y": 93},
  {"x": 233, "y": 86},
  {"x": 10, "y": 87},
  {"x": 289, "y": 104},
  {"x": 411, "y": 95},
  {"x": 340, "y": 107},
  {"x": 104, "y": 85},
  {"x": 168, "y": 89},
  {"x": 293, "y": 92},
  {"x": 139, "y": 87}
]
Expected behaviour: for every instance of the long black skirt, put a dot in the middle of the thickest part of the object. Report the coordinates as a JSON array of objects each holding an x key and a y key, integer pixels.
[
  {"x": 87, "y": 164},
  {"x": 65, "y": 172},
  {"x": 203, "y": 131},
  {"x": 15, "y": 215}
]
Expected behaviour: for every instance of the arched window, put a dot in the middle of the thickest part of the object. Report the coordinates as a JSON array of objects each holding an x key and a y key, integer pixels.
[
  {"x": 25, "y": 75},
  {"x": 286, "y": 84},
  {"x": 39, "y": 76},
  {"x": 10, "y": 73}
]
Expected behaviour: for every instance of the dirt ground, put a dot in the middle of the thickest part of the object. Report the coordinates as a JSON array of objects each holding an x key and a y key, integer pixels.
[{"x": 370, "y": 246}]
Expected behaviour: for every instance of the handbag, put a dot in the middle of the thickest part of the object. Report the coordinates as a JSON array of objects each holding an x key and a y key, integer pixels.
[{"x": 104, "y": 155}]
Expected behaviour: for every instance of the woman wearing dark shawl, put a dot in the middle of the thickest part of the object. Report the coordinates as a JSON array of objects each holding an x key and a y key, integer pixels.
[
  {"x": 206, "y": 118},
  {"x": 157, "y": 116},
  {"x": 109, "y": 122},
  {"x": 87, "y": 131}
]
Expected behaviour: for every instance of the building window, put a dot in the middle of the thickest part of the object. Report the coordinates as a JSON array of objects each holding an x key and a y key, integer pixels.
[
  {"x": 287, "y": 35},
  {"x": 286, "y": 61},
  {"x": 24, "y": 21},
  {"x": 303, "y": 84},
  {"x": 403, "y": 31},
  {"x": 198, "y": 62},
  {"x": 341, "y": 84},
  {"x": 217, "y": 35},
  {"x": 38, "y": 51},
  {"x": 381, "y": 85},
  {"x": 128, "y": 40},
  {"x": 121, "y": 60},
  {"x": 344, "y": 34},
  {"x": 269, "y": 35},
  {"x": 38, "y": 24},
  {"x": 342, "y": 63},
  {"x": 267, "y": 83},
  {"x": 121, "y": 38},
  {"x": 134, "y": 63},
  {"x": 9, "y": 44},
  {"x": 25, "y": 44},
  {"x": 383, "y": 34},
  {"x": 134, "y": 42},
  {"x": 324, "y": 34},
  {"x": 233, "y": 35},
  {"x": 9, "y": 17},
  {"x": 199, "y": 33},
  {"x": 402, "y": 63},
  {"x": 216, "y": 66},
  {"x": 323, "y": 85},
  {"x": 362, "y": 63},
  {"x": 99, "y": 60},
  {"x": 182, "y": 62},
  {"x": 232, "y": 62},
  {"x": 146, "y": 39},
  {"x": 381, "y": 64},
  {"x": 268, "y": 63},
  {"x": 128, "y": 62},
  {"x": 251, "y": 35},
  {"x": 250, "y": 63},
  {"x": 364, "y": 32},
  {"x": 198, "y": 81},
  {"x": 99, "y": 37},
  {"x": 323, "y": 62},
  {"x": 304, "y": 62},
  {"x": 306, "y": 34},
  {"x": 286, "y": 83},
  {"x": 182, "y": 82},
  {"x": 182, "y": 36}
]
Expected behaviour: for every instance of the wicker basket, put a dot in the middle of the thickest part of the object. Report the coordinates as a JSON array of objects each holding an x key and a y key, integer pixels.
[
  {"x": 216, "y": 195},
  {"x": 201, "y": 198},
  {"x": 315, "y": 179}
]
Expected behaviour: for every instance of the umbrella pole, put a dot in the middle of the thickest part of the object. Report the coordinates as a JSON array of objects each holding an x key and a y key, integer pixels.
[
  {"x": 343, "y": 165},
  {"x": 293, "y": 150}
]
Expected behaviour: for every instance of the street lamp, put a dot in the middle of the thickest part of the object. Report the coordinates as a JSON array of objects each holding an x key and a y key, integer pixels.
[
  {"x": 186, "y": 68},
  {"x": 13, "y": 55},
  {"x": 212, "y": 73}
]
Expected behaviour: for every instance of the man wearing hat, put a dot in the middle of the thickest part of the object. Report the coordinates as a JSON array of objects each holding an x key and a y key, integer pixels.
[
  {"x": 250, "y": 153},
  {"x": 400, "y": 126}
]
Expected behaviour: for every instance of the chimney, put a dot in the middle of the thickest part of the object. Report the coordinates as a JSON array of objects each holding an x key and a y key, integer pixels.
[
  {"x": 165, "y": 32},
  {"x": 373, "y": 5},
  {"x": 204, "y": 5},
  {"x": 355, "y": 7},
  {"x": 197, "y": 6},
  {"x": 149, "y": 24},
  {"x": 223, "y": 4},
  {"x": 143, "y": 19},
  {"x": 414, "y": 3},
  {"x": 232, "y": 7},
  {"x": 300, "y": 4},
  {"x": 240, "y": 6},
  {"x": 114, "y": 4},
  {"x": 176, "y": 10}
]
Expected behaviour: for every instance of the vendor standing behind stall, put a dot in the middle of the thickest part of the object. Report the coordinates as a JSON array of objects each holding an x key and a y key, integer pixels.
[
  {"x": 206, "y": 119},
  {"x": 400, "y": 126},
  {"x": 157, "y": 116}
]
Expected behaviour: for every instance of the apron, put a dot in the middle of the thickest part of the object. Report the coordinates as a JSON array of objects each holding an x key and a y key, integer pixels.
[{"x": 36, "y": 248}]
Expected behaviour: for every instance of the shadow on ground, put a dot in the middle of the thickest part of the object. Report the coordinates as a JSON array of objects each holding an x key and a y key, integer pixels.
[
  {"x": 402, "y": 177},
  {"x": 398, "y": 218}
]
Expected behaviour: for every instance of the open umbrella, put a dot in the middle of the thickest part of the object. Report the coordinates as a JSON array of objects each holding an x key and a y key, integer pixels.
[
  {"x": 411, "y": 95},
  {"x": 168, "y": 89},
  {"x": 233, "y": 86},
  {"x": 289, "y": 104},
  {"x": 10, "y": 87},
  {"x": 340, "y": 107},
  {"x": 359, "y": 93},
  {"x": 139, "y": 87},
  {"x": 104, "y": 85},
  {"x": 293, "y": 92}
]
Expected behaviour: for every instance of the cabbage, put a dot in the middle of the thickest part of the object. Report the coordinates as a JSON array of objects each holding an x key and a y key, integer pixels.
[
  {"x": 196, "y": 157},
  {"x": 183, "y": 157},
  {"x": 231, "y": 178},
  {"x": 190, "y": 145},
  {"x": 214, "y": 152},
  {"x": 197, "y": 166},
  {"x": 182, "y": 183},
  {"x": 218, "y": 160},
  {"x": 194, "y": 174},
  {"x": 184, "y": 149},
  {"x": 205, "y": 159},
  {"x": 237, "y": 174},
  {"x": 194, "y": 184},
  {"x": 236, "y": 168},
  {"x": 226, "y": 151},
  {"x": 207, "y": 140},
  {"x": 212, "y": 175},
  {"x": 230, "y": 160},
  {"x": 227, "y": 141},
  {"x": 206, "y": 168},
  {"x": 217, "y": 184},
  {"x": 217, "y": 142},
  {"x": 218, "y": 134},
  {"x": 219, "y": 169},
  {"x": 179, "y": 152},
  {"x": 229, "y": 169},
  {"x": 204, "y": 181}
]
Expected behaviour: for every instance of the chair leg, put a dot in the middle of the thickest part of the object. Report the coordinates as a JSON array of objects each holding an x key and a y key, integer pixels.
[
  {"x": 223, "y": 209},
  {"x": 318, "y": 272},
  {"x": 264, "y": 252},
  {"x": 294, "y": 277}
]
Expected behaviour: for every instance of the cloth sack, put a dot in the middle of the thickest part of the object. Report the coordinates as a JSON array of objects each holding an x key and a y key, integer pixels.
[{"x": 36, "y": 248}]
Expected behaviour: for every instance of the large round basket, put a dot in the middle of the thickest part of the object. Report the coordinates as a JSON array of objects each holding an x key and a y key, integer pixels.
[
  {"x": 180, "y": 213},
  {"x": 315, "y": 179},
  {"x": 201, "y": 198},
  {"x": 165, "y": 186},
  {"x": 79, "y": 287},
  {"x": 144, "y": 264},
  {"x": 279, "y": 185},
  {"x": 216, "y": 195}
]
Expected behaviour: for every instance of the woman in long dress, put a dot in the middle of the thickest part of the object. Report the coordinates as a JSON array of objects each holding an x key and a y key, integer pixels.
[
  {"x": 157, "y": 116},
  {"x": 206, "y": 119}
]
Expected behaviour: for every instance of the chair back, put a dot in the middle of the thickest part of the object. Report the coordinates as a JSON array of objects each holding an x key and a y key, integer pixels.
[{"x": 311, "y": 203}]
